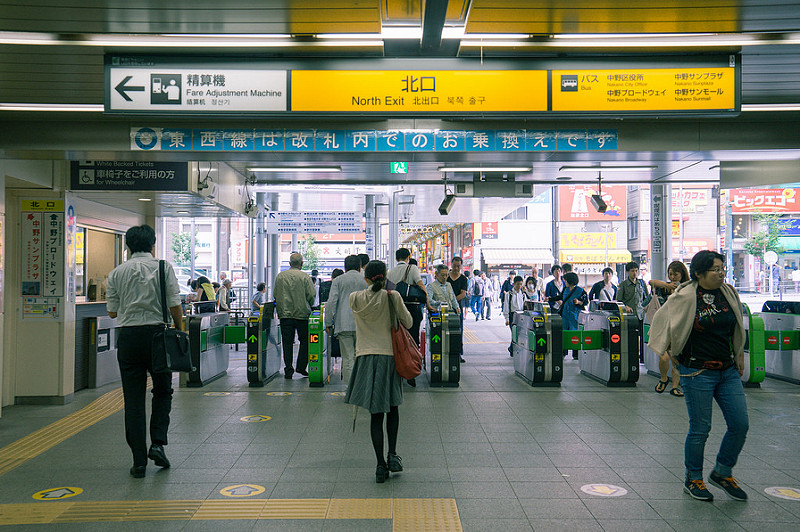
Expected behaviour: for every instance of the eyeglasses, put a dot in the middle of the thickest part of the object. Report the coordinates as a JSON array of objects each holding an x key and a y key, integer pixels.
[{"x": 718, "y": 270}]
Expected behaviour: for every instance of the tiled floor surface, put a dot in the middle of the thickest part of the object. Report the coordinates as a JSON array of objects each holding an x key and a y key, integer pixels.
[{"x": 513, "y": 457}]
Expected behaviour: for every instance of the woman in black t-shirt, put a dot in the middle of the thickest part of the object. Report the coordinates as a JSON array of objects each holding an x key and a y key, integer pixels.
[{"x": 701, "y": 325}]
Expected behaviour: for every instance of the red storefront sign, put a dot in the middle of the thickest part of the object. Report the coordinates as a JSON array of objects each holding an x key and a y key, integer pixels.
[
  {"x": 574, "y": 203},
  {"x": 489, "y": 230},
  {"x": 750, "y": 200}
]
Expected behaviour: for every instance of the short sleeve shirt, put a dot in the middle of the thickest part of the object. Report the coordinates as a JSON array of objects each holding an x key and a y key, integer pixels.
[
  {"x": 398, "y": 272},
  {"x": 712, "y": 330},
  {"x": 458, "y": 285}
]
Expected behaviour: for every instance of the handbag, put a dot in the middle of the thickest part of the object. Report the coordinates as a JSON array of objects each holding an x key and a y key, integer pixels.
[
  {"x": 407, "y": 356},
  {"x": 410, "y": 293},
  {"x": 652, "y": 307},
  {"x": 171, "y": 350}
]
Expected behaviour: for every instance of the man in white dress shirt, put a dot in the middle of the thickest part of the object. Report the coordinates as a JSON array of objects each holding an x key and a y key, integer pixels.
[{"x": 134, "y": 299}]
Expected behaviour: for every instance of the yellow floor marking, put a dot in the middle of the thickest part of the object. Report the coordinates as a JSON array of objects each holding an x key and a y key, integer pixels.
[
  {"x": 406, "y": 514},
  {"x": 470, "y": 337},
  {"x": 34, "y": 444}
]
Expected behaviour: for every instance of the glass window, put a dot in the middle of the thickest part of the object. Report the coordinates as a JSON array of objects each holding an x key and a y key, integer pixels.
[{"x": 633, "y": 228}]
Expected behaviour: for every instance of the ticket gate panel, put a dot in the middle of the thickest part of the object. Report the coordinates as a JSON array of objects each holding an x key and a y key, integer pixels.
[
  {"x": 615, "y": 362},
  {"x": 318, "y": 366},
  {"x": 444, "y": 339},
  {"x": 209, "y": 352},
  {"x": 782, "y": 327},
  {"x": 264, "y": 355},
  {"x": 754, "y": 363},
  {"x": 537, "y": 347}
]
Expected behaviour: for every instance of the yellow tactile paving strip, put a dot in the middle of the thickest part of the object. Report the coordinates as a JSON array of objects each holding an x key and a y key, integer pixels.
[
  {"x": 470, "y": 337},
  {"x": 406, "y": 514},
  {"x": 36, "y": 443}
]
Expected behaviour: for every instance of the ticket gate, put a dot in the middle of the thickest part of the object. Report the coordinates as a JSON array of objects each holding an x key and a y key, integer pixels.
[
  {"x": 536, "y": 340},
  {"x": 210, "y": 353},
  {"x": 781, "y": 321},
  {"x": 264, "y": 356},
  {"x": 615, "y": 362},
  {"x": 444, "y": 343},
  {"x": 319, "y": 363},
  {"x": 651, "y": 358}
]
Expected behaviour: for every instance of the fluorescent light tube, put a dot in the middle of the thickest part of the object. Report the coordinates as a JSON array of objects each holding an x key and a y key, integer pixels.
[
  {"x": 295, "y": 169},
  {"x": 484, "y": 168},
  {"x": 612, "y": 168},
  {"x": 53, "y": 107}
]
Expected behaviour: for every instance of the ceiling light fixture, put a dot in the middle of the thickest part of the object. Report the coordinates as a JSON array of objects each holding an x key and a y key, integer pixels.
[
  {"x": 484, "y": 168},
  {"x": 610, "y": 168},
  {"x": 53, "y": 107},
  {"x": 294, "y": 169},
  {"x": 750, "y": 107},
  {"x": 145, "y": 199}
]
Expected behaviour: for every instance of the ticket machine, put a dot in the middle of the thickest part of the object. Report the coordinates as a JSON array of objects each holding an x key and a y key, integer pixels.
[
  {"x": 264, "y": 357},
  {"x": 319, "y": 363},
  {"x": 210, "y": 353},
  {"x": 444, "y": 343},
  {"x": 781, "y": 323}
]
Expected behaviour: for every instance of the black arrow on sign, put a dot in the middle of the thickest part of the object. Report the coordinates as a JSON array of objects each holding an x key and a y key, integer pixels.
[{"x": 122, "y": 88}]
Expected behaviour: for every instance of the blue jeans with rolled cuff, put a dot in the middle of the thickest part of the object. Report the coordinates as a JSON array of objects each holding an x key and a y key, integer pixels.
[{"x": 725, "y": 387}]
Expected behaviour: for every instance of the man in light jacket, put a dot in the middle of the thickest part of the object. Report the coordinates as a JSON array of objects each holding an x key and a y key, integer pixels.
[
  {"x": 294, "y": 295},
  {"x": 338, "y": 314},
  {"x": 514, "y": 301}
]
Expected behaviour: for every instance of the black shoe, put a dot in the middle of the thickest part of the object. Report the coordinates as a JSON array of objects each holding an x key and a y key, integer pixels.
[
  {"x": 158, "y": 456},
  {"x": 138, "y": 471},
  {"x": 697, "y": 489},
  {"x": 381, "y": 473},
  {"x": 728, "y": 484},
  {"x": 287, "y": 373},
  {"x": 395, "y": 463},
  {"x": 412, "y": 383},
  {"x": 302, "y": 372}
]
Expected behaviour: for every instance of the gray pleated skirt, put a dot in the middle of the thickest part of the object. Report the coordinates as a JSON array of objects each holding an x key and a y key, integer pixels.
[{"x": 375, "y": 384}]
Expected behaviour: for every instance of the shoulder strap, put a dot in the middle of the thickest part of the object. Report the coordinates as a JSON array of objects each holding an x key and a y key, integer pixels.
[
  {"x": 392, "y": 316},
  {"x": 162, "y": 283},
  {"x": 406, "y": 275}
]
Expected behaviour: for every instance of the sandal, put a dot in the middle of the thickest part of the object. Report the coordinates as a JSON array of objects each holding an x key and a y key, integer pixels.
[
  {"x": 661, "y": 386},
  {"x": 677, "y": 392}
]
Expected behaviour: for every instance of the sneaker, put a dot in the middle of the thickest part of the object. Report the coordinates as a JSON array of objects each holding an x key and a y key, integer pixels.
[
  {"x": 728, "y": 484},
  {"x": 697, "y": 489}
]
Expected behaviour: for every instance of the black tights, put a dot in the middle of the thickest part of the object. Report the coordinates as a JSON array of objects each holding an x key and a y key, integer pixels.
[{"x": 376, "y": 431}]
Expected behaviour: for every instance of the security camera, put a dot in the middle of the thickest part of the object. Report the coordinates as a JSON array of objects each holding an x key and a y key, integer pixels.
[
  {"x": 251, "y": 209},
  {"x": 447, "y": 204},
  {"x": 598, "y": 203}
]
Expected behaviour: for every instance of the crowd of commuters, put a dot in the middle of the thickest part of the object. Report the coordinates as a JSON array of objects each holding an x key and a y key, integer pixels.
[{"x": 696, "y": 327}]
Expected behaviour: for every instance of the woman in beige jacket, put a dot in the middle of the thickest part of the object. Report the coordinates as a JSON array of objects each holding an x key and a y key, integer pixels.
[{"x": 374, "y": 382}]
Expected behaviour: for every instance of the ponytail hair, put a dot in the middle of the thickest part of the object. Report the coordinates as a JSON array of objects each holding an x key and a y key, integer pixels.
[{"x": 376, "y": 273}]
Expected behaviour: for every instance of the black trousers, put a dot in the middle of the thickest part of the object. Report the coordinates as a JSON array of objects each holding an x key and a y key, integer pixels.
[
  {"x": 415, "y": 309},
  {"x": 290, "y": 326},
  {"x": 134, "y": 355}
]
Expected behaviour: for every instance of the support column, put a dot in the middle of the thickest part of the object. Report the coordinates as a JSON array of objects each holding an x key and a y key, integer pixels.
[
  {"x": 274, "y": 247},
  {"x": 260, "y": 275},
  {"x": 394, "y": 227},
  {"x": 660, "y": 230}
]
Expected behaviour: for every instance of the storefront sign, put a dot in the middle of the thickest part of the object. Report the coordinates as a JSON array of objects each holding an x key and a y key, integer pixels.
[
  {"x": 370, "y": 140},
  {"x": 767, "y": 200},
  {"x": 667, "y": 89},
  {"x": 129, "y": 175},
  {"x": 616, "y": 256},
  {"x": 694, "y": 200},
  {"x": 489, "y": 230},
  {"x": 657, "y": 226},
  {"x": 690, "y": 247},
  {"x": 419, "y": 91},
  {"x": 575, "y": 203},
  {"x": 588, "y": 240}
]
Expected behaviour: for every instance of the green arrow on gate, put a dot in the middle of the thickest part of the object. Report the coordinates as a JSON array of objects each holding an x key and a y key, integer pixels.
[
  {"x": 252, "y": 338},
  {"x": 541, "y": 341},
  {"x": 435, "y": 338}
]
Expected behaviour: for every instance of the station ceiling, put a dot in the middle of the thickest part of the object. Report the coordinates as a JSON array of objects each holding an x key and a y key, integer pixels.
[{"x": 53, "y": 53}]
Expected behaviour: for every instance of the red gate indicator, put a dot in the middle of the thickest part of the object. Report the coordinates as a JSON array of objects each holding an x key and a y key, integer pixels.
[
  {"x": 786, "y": 340},
  {"x": 587, "y": 340},
  {"x": 772, "y": 340},
  {"x": 575, "y": 340},
  {"x": 615, "y": 338}
]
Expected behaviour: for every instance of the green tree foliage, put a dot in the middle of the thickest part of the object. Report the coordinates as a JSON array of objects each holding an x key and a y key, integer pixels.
[
  {"x": 310, "y": 251},
  {"x": 768, "y": 238},
  {"x": 182, "y": 248}
]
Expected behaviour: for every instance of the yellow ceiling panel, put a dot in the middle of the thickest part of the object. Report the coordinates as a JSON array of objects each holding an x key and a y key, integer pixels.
[
  {"x": 334, "y": 16},
  {"x": 396, "y": 12},
  {"x": 586, "y": 16}
]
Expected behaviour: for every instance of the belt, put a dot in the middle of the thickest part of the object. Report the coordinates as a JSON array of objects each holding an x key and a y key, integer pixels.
[{"x": 719, "y": 365}]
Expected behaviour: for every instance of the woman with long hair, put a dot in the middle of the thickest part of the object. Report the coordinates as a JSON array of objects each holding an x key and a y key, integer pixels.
[
  {"x": 374, "y": 382},
  {"x": 677, "y": 274}
]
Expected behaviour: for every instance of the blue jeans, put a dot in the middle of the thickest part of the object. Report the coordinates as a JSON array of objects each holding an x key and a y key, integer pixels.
[
  {"x": 726, "y": 388},
  {"x": 475, "y": 304}
]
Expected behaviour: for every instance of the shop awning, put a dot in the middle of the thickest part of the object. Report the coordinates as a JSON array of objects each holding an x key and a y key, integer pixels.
[
  {"x": 529, "y": 256},
  {"x": 584, "y": 256}
]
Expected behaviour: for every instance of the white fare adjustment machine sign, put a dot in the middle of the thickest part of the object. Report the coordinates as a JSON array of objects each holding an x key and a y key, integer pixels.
[{"x": 195, "y": 90}]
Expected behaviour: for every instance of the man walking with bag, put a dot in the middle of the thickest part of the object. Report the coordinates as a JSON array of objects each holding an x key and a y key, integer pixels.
[{"x": 134, "y": 298}]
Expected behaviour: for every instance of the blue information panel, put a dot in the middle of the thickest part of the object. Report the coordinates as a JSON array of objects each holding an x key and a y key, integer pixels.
[{"x": 370, "y": 140}]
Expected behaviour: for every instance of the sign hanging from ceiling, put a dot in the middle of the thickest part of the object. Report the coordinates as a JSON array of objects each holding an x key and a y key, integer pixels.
[
  {"x": 128, "y": 175},
  {"x": 304, "y": 222},
  {"x": 663, "y": 89},
  {"x": 419, "y": 90}
]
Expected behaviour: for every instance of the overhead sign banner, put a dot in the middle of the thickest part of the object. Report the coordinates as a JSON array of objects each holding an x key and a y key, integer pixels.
[
  {"x": 314, "y": 222},
  {"x": 588, "y": 240},
  {"x": 766, "y": 200},
  {"x": 489, "y": 230},
  {"x": 574, "y": 203},
  {"x": 667, "y": 89},
  {"x": 164, "y": 89},
  {"x": 128, "y": 175},
  {"x": 418, "y": 91}
]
